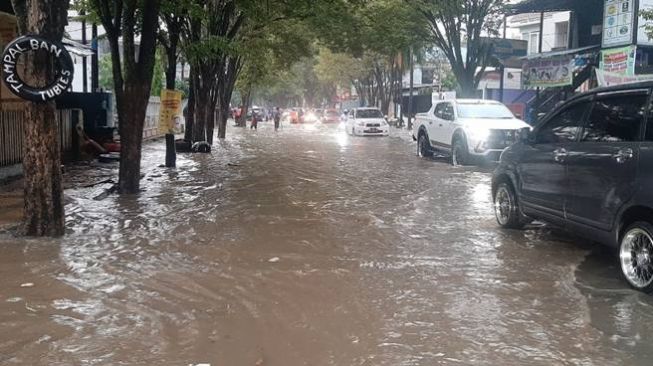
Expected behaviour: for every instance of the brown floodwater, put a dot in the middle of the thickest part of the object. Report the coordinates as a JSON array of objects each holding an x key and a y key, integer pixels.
[{"x": 310, "y": 247}]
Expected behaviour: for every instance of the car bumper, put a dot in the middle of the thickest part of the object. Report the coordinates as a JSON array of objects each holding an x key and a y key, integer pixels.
[{"x": 368, "y": 131}]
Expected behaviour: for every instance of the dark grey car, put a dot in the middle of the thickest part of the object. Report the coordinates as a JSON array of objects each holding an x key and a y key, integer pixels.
[{"x": 588, "y": 167}]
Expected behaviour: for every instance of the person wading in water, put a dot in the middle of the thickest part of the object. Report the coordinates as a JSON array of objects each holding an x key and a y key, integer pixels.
[
  {"x": 277, "y": 119},
  {"x": 254, "y": 122}
]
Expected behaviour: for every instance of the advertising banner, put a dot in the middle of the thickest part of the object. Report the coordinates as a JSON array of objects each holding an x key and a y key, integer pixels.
[
  {"x": 170, "y": 112},
  {"x": 605, "y": 78},
  {"x": 618, "y": 22},
  {"x": 619, "y": 60},
  {"x": 548, "y": 72}
]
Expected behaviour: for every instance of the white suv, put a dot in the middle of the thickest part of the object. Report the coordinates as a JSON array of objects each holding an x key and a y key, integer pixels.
[
  {"x": 367, "y": 122},
  {"x": 466, "y": 129}
]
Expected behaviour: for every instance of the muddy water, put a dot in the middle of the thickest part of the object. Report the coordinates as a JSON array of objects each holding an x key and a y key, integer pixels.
[{"x": 309, "y": 247}]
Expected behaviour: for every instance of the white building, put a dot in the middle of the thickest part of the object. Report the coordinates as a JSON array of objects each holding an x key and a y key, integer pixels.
[
  {"x": 555, "y": 35},
  {"x": 74, "y": 33}
]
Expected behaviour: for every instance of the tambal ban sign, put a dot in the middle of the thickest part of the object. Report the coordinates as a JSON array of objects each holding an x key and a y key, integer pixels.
[{"x": 63, "y": 68}]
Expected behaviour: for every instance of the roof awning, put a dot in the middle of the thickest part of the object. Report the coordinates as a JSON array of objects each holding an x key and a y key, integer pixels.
[
  {"x": 537, "y": 6},
  {"x": 573, "y": 51},
  {"x": 77, "y": 48}
]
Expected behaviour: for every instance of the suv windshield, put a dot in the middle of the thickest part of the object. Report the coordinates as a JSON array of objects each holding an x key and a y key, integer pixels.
[
  {"x": 484, "y": 111},
  {"x": 369, "y": 113}
]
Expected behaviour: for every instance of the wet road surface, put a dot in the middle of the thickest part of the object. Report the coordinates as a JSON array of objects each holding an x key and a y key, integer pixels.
[{"x": 310, "y": 247}]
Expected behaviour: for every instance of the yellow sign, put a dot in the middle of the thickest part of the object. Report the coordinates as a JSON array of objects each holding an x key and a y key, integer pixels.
[{"x": 170, "y": 112}]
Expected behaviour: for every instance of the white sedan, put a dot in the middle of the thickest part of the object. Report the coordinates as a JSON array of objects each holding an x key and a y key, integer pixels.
[{"x": 366, "y": 122}]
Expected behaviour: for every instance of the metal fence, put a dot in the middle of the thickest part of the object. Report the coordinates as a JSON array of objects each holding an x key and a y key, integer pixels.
[
  {"x": 12, "y": 120},
  {"x": 11, "y": 137}
]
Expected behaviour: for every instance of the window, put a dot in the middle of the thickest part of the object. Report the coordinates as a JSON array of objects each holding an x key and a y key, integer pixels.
[
  {"x": 534, "y": 42},
  {"x": 369, "y": 113},
  {"x": 439, "y": 109},
  {"x": 564, "y": 126},
  {"x": 484, "y": 111},
  {"x": 448, "y": 112},
  {"x": 561, "y": 35},
  {"x": 649, "y": 126},
  {"x": 616, "y": 119}
]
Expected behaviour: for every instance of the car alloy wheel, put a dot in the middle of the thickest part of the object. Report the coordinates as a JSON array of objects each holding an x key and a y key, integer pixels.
[
  {"x": 636, "y": 256},
  {"x": 506, "y": 208},
  {"x": 504, "y": 205}
]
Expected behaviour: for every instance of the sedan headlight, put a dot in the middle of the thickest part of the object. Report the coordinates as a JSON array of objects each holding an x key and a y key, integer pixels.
[{"x": 360, "y": 124}]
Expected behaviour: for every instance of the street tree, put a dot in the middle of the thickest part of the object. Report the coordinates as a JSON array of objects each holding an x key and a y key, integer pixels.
[
  {"x": 132, "y": 66},
  {"x": 457, "y": 27},
  {"x": 172, "y": 15},
  {"x": 43, "y": 213}
]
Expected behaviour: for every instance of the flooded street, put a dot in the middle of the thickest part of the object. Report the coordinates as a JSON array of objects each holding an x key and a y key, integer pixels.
[{"x": 311, "y": 247}]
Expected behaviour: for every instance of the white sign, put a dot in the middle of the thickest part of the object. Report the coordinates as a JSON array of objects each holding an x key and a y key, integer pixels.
[
  {"x": 618, "y": 22},
  {"x": 511, "y": 80},
  {"x": 605, "y": 78},
  {"x": 642, "y": 37}
]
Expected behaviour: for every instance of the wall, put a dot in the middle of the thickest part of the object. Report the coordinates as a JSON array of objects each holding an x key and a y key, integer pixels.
[{"x": 553, "y": 37}]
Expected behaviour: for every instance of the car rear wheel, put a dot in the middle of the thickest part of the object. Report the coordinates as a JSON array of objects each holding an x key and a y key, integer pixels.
[
  {"x": 459, "y": 152},
  {"x": 506, "y": 208},
  {"x": 636, "y": 256},
  {"x": 424, "y": 147}
]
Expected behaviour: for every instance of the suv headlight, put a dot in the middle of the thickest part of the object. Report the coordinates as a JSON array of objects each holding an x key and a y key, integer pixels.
[{"x": 479, "y": 134}]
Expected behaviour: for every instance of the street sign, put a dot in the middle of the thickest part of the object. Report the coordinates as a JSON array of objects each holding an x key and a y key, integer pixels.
[
  {"x": 54, "y": 89},
  {"x": 170, "y": 112},
  {"x": 503, "y": 48}
]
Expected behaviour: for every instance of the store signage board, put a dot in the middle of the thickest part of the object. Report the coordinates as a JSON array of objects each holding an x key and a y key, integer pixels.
[{"x": 618, "y": 22}]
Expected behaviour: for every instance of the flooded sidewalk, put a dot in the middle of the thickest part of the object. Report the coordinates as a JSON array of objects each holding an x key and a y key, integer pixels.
[{"x": 310, "y": 247}]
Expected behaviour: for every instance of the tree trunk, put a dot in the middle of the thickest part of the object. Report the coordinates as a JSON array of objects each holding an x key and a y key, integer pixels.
[
  {"x": 190, "y": 108},
  {"x": 223, "y": 117},
  {"x": 171, "y": 78},
  {"x": 246, "y": 99},
  {"x": 132, "y": 119},
  {"x": 210, "y": 123},
  {"x": 171, "y": 67},
  {"x": 201, "y": 101},
  {"x": 133, "y": 85},
  {"x": 43, "y": 189}
]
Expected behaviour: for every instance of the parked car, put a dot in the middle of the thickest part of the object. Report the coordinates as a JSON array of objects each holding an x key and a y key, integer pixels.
[
  {"x": 310, "y": 117},
  {"x": 330, "y": 116},
  {"x": 588, "y": 167},
  {"x": 366, "y": 122},
  {"x": 466, "y": 129}
]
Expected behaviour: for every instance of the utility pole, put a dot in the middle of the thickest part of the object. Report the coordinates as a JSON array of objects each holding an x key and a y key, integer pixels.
[
  {"x": 502, "y": 67},
  {"x": 410, "y": 90},
  {"x": 82, "y": 13},
  {"x": 95, "y": 67}
]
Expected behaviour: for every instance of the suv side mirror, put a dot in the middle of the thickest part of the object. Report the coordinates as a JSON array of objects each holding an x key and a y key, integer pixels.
[{"x": 525, "y": 135}]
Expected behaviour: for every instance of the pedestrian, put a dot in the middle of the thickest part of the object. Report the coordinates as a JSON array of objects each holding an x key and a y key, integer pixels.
[
  {"x": 254, "y": 122},
  {"x": 277, "y": 118}
]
